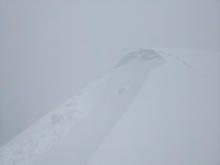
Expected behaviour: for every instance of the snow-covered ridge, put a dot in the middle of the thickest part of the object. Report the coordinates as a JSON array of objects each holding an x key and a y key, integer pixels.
[{"x": 128, "y": 76}]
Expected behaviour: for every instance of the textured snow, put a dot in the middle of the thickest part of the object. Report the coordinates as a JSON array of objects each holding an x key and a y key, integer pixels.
[
  {"x": 125, "y": 79},
  {"x": 142, "y": 54}
]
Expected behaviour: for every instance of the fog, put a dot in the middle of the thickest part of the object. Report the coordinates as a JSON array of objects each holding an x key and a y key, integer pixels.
[{"x": 49, "y": 50}]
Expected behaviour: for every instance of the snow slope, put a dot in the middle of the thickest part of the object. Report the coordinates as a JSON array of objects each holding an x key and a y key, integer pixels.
[
  {"x": 176, "y": 117},
  {"x": 173, "y": 119},
  {"x": 86, "y": 118}
]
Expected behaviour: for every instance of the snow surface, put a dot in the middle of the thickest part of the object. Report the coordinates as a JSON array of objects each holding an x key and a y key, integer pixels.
[
  {"x": 174, "y": 119},
  {"x": 89, "y": 115}
]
